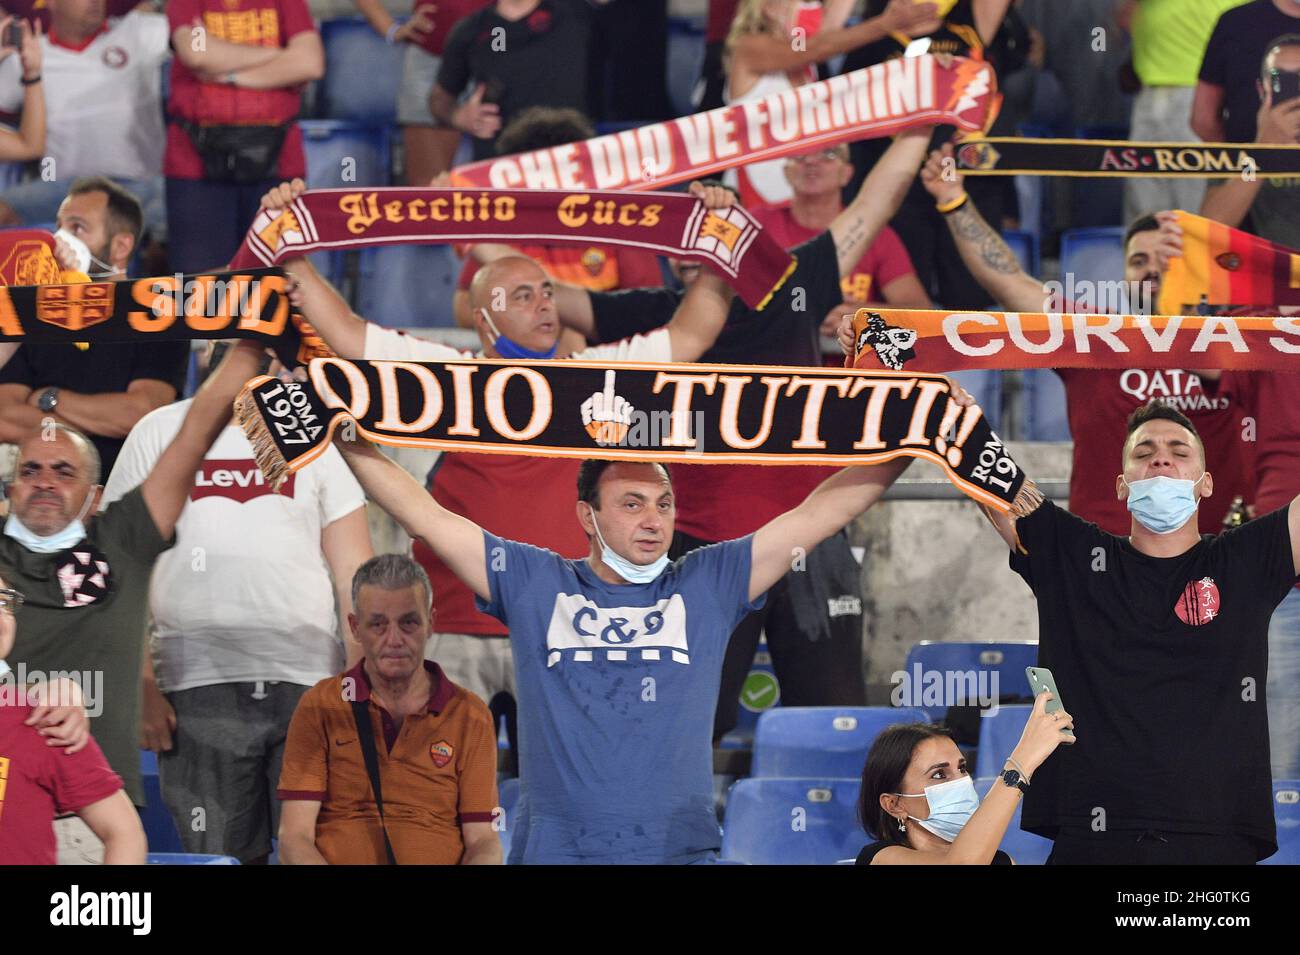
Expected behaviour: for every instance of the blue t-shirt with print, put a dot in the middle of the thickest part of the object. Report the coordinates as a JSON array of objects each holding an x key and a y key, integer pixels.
[{"x": 616, "y": 686}]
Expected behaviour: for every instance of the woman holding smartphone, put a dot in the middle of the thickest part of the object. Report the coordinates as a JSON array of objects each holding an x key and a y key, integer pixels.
[
  {"x": 919, "y": 803},
  {"x": 28, "y": 141}
]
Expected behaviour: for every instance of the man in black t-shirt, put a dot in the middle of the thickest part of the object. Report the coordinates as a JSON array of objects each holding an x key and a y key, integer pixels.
[
  {"x": 1159, "y": 645},
  {"x": 103, "y": 389},
  {"x": 516, "y": 54}
]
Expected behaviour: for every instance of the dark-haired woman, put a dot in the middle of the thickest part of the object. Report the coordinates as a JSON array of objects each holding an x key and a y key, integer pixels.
[{"x": 919, "y": 803}]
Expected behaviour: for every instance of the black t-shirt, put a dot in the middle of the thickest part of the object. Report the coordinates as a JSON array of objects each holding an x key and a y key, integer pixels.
[
  {"x": 540, "y": 60},
  {"x": 869, "y": 852},
  {"x": 785, "y": 332},
  {"x": 1233, "y": 57},
  {"x": 98, "y": 369},
  {"x": 1162, "y": 662}
]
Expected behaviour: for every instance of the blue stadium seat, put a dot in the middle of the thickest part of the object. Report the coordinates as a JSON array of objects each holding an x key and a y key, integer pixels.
[
  {"x": 1092, "y": 255},
  {"x": 1007, "y": 659},
  {"x": 188, "y": 858},
  {"x": 362, "y": 73},
  {"x": 999, "y": 734},
  {"x": 1024, "y": 244},
  {"x": 408, "y": 286},
  {"x": 344, "y": 155},
  {"x": 159, "y": 828},
  {"x": 508, "y": 794},
  {"x": 1024, "y": 847},
  {"x": 1286, "y": 810},
  {"x": 986, "y": 387},
  {"x": 792, "y": 822},
  {"x": 1046, "y": 416},
  {"x": 685, "y": 58},
  {"x": 825, "y": 741}
]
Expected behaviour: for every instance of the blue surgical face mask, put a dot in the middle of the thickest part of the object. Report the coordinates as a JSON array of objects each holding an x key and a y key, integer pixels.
[
  {"x": 74, "y": 533},
  {"x": 1163, "y": 504},
  {"x": 632, "y": 573},
  {"x": 508, "y": 348},
  {"x": 951, "y": 806}
]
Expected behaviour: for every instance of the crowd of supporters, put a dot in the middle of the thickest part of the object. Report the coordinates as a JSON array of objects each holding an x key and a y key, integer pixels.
[{"x": 255, "y": 641}]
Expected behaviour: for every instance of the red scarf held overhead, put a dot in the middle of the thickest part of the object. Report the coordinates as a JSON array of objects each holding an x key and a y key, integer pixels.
[
  {"x": 878, "y": 101},
  {"x": 670, "y": 224}
]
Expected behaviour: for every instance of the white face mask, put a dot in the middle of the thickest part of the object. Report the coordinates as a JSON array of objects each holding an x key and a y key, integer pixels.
[
  {"x": 84, "y": 258},
  {"x": 632, "y": 573},
  {"x": 74, "y": 533}
]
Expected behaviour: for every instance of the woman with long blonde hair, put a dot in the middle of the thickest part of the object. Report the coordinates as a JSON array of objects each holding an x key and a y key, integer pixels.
[{"x": 775, "y": 45}]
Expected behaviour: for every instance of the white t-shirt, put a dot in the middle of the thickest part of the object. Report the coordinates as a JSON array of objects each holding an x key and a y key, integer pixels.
[
  {"x": 103, "y": 104},
  {"x": 245, "y": 594},
  {"x": 386, "y": 344}
]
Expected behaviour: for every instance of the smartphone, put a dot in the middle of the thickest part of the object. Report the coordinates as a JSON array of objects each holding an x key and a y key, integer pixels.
[
  {"x": 1040, "y": 679},
  {"x": 1285, "y": 85},
  {"x": 13, "y": 36}
]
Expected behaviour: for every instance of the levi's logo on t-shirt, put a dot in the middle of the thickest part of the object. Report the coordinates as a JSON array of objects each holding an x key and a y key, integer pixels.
[
  {"x": 239, "y": 480},
  {"x": 1199, "y": 602}
]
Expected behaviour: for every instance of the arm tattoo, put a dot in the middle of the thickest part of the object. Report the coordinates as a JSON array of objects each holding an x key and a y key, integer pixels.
[
  {"x": 968, "y": 226},
  {"x": 855, "y": 234}
]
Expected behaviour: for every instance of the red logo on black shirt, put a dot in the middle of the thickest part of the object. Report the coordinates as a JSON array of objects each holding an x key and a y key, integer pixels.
[
  {"x": 1199, "y": 603},
  {"x": 540, "y": 21}
]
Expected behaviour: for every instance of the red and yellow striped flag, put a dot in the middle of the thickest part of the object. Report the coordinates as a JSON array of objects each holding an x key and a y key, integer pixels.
[{"x": 1223, "y": 266}]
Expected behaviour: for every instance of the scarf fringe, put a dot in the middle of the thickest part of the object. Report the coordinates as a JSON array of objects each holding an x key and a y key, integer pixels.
[
  {"x": 1028, "y": 499},
  {"x": 269, "y": 460}
]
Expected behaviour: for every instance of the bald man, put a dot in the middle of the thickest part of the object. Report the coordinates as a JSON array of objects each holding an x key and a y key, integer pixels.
[{"x": 515, "y": 316}]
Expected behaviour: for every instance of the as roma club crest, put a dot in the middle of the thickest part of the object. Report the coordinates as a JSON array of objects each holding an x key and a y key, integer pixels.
[
  {"x": 977, "y": 155},
  {"x": 75, "y": 307},
  {"x": 442, "y": 753},
  {"x": 1199, "y": 603}
]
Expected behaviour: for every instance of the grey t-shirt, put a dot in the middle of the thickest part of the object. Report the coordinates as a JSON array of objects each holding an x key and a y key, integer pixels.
[{"x": 1275, "y": 214}]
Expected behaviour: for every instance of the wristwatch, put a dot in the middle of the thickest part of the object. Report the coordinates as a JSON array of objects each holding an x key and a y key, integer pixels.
[
  {"x": 49, "y": 399},
  {"x": 1012, "y": 779}
]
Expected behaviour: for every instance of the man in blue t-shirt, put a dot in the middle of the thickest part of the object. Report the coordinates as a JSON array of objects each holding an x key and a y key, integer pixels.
[{"x": 618, "y": 656}]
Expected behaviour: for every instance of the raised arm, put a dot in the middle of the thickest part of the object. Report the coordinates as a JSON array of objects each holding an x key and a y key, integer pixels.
[
  {"x": 346, "y": 545},
  {"x": 982, "y": 250},
  {"x": 882, "y": 192},
  {"x": 1229, "y": 201},
  {"x": 832, "y": 505},
  {"x": 456, "y": 540},
  {"x": 29, "y": 141},
  {"x": 760, "y": 53},
  {"x": 343, "y": 330},
  {"x": 168, "y": 485}
]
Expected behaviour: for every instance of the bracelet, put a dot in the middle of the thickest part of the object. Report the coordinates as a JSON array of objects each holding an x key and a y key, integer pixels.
[
  {"x": 391, "y": 36},
  {"x": 10, "y": 600},
  {"x": 952, "y": 205},
  {"x": 32, "y": 82},
  {"x": 1018, "y": 768}
]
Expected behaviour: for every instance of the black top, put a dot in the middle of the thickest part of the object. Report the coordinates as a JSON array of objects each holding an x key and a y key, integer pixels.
[
  {"x": 785, "y": 332},
  {"x": 98, "y": 369},
  {"x": 869, "y": 852},
  {"x": 1233, "y": 57},
  {"x": 540, "y": 60},
  {"x": 1162, "y": 662}
]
